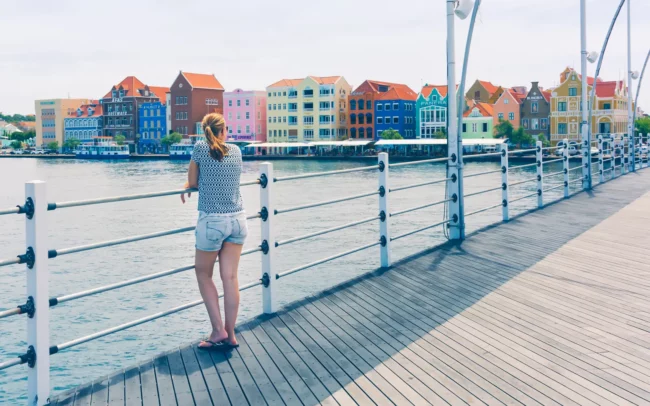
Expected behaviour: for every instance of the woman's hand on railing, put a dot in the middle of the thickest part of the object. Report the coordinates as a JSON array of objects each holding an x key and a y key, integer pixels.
[{"x": 189, "y": 194}]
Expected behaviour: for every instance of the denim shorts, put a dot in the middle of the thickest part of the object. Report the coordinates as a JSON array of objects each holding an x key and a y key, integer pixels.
[{"x": 212, "y": 230}]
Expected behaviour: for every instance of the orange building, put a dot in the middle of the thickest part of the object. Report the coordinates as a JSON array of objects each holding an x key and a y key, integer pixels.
[
  {"x": 361, "y": 106},
  {"x": 508, "y": 107}
]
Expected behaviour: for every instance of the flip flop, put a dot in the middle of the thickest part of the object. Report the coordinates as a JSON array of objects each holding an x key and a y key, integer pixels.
[
  {"x": 212, "y": 345},
  {"x": 221, "y": 346}
]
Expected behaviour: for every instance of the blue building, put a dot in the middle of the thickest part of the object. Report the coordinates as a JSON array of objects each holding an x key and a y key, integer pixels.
[
  {"x": 395, "y": 109},
  {"x": 84, "y": 123},
  {"x": 152, "y": 126}
]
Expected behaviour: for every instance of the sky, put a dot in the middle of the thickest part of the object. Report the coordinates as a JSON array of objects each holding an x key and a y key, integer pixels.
[{"x": 80, "y": 49}]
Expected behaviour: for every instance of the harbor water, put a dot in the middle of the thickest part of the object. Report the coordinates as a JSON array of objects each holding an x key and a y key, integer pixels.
[{"x": 70, "y": 179}]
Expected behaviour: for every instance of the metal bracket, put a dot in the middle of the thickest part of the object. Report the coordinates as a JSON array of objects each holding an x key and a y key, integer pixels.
[
  {"x": 382, "y": 216},
  {"x": 454, "y": 218},
  {"x": 454, "y": 177},
  {"x": 565, "y": 158},
  {"x": 539, "y": 192},
  {"x": 453, "y": 157},
  {"x": 538, "y": 149},
  {"x": 383, "y": 241},
  {"x": 29, "y": 357},
  {"x": 28, "y": 308},
  {"x": 503, "y": 169},
  {"x": 264, "y": 213},
  {"x": 265, "y": 247},
  {"x": 504, "y": 203},
  {"x": 539, "y": 178},
  {"x": 382, "y": 166},
  {"x": 565, "y": 170},
  {"x": 503, "y": 152},
  {"x": 454, "y": 198},
  {"x": 566, "y": 184},
  {"x": 28, "y": 258},
  {"x": 504, "y": 186},
  {"x": 27, "y": 209},
  {"x": 264, "y": 180},
  {"x": 266, "y": 281},
  {"x": 539, "y": 163},
  {"x": 382, "y": 191}
]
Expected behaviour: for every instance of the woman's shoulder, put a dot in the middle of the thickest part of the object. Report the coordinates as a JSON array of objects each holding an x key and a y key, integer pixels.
[{"x": 233, "y": 149}]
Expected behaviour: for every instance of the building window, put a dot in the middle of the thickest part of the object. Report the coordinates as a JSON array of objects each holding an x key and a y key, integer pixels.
[
  {"x": 524, "y": 123},
  {"x": 229, "y": 116},
  {"x": 511, "y": 116},
  {"x": 395, "y": 106},
  {"x": 239, "y": 129},
  {"x": 534, "y": 107},
  {"x": 561, "y": 128},
  {"x": 485, "y": 127},
  {"x": 360, "y": 104},
  {"x": 573, "y": 91},
  {"x": 607, "y": 106},
  {"x": 380, "y": 120},
  {"x": 308, "y": 92},
  {"x": 308, "y": 119},
  {"x": 561, "y": 106},
  {"x": 361, "y": 120},
  {"x": 464, "y": 127},
  {"x": 368, "y": 118},
  {"x": 500, "y": 116},
  {"x": 259, "y": 115},
  {"x": 395, "y": 120},
  {"x": 477, "y": 95},
  {"x": 474, "y": 127},
  {"x": 248, "y": 103},
  {"x": 353, "y": 118},
  {"x": 362, "y": 133},
  {"x": 229, "y": 103},
  {"x": 506, "y": 101},
  {"x": 369, "y": 105},
  {"x": 248, "y": 115},
  {"x": 353, "y": 132},
  {"x": 380, "y": 107},
  {"x": 544, "y": 123},
  {"x": 238, "y": 116},
  {"x": 534, "y": 124},
  {"x": 387, "y": 106}
]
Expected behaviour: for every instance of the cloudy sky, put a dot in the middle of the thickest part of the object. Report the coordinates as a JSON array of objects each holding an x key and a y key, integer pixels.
[{"x": 53, "y": 49}]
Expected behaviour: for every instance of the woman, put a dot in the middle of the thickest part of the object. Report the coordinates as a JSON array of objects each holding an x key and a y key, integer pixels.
[{"x": 221, "y": 229}]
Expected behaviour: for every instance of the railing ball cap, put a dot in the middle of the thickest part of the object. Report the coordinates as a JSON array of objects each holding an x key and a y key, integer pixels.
[
  {"x": 264, "y": 180},
  {"x": 266, "y": 281},
  {"x": 382, "y": 166},
  {"x": 28, "y": 258},
  {"x": 28, "y": 308},
  {"x": 27, "y": 209},
  {"x": 383, "y": 241}
]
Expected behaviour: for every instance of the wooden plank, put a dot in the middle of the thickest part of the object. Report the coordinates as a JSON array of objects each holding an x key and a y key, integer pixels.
[
  {"x": 179, "y": 378},
  {"x": 212, "y": 380},
  {"x": 198, "y": 386},
  {"x": 99, "y": 395},
  {"x": 67, "y": 399},
  {"x": 83, "y": 396},
  {"x": 165, "y": 385},
  {"x": 132, "y": 390},
  {"x": 116, "y": 389},
  {"x": 229, "y": 380},
  {"x": 148, "y": 384}
]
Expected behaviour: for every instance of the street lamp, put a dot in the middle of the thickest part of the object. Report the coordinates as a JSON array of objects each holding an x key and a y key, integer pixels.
[
  {"x": 638, "y": 88},
  {"x": 460, "y": 9}
]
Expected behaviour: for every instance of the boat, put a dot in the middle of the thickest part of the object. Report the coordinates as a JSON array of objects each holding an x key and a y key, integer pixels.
[
  {"x": 181, "y": 151},
  {"x": 103, "y": 150}
]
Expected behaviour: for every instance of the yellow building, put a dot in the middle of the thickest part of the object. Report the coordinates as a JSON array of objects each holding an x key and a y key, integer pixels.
[
  {"x": 49, "y": 118},
  {"x": 306, "y": 110},
  {"x": 610, "y": 115}
]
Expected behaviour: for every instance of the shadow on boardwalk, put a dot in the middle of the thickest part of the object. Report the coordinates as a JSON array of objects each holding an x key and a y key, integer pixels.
[{"x": 438, "y": 327}]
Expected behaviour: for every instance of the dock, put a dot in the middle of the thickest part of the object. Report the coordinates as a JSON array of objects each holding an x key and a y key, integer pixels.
[{"x": 548, "y": 308}]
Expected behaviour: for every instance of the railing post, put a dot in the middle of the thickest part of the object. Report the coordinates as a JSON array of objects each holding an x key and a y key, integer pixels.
[
  {"x": 624, "y": 155},
  {"x": 601, "y": 157},
  {"x": 565, "y": 163},
  {"x": 539, "y": 155},
  {"x": 38, "y": 323},
  {"x": 504, "y": 182},
  {"x": 384, "y": 213},
  {"x": 267, "y": 211}
]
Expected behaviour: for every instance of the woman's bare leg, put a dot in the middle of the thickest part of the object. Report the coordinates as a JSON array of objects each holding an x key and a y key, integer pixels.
[
  {"x": 204, "y": 268},
  {"x": 229, "y": 269}
]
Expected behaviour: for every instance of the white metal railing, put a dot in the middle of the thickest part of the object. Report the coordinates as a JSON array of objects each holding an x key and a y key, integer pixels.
[{"x": 611, "y": 149}]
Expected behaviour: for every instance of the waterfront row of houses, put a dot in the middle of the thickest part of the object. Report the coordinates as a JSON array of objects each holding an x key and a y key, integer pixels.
[{"x": 324, "y": 109}]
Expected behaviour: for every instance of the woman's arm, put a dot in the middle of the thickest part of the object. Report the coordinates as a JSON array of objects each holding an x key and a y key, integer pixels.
[{"x": 192, "y": 179}]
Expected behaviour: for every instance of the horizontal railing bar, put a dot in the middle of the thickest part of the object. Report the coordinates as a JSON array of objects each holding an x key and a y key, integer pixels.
[
  {"x": 481, "y": 155},
  {"x": 13, "y": 210},
  {"x": 471, "y": 175},
  {"x": 484, "y": 191},
  {"x": 521, "y": 166},
  {"x": 397, "y": 189},
  {"x": 329, "y": 230},
  {"x": 10, "y": 261},
  {"x": 326, "y": 202},
  {"x": 134, "y": 281},
  {"x": 546, "y": 148},
  {"x": 318, "y": 174},
  {"x": 523, "y": 181},
  {"x": 423, "y": 161},
  {"x": 484, "y": 209},
  {"x": 142, "y": 320},
  {"x": 424, "y": 206},
  {"x": 322, "y": 261},
  {"x": 552, "y": 160},
  {"x": 523, "y": 197},
  {"x": 397, "y": 237},
  {"x": 76, "y": 203},
  {"x": 554, "y": 187},
  {"x": 554, "y": 173},
  {"x": 10, "y": 312},
  {"x": 11, "y": 363},
  {"x": 576, "y": 180},
  {"x": 576, "y": 167},
  {"x": 519, "y": 151}
]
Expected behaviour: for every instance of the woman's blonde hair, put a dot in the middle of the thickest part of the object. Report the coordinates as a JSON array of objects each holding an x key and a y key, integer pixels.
[{"x": 213, "y": 125}]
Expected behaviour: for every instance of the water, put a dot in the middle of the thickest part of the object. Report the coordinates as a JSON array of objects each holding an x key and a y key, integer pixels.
[{"x": 78, "y": 179}]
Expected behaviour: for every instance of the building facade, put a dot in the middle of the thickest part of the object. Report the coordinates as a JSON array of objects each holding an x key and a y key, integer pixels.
[
  {"x": 152, "y": 122},
  {"x": 245, "y": 112},
  {"x": 566, "y": 113},
  {"x": 305, "y": 110},
  {"x": 431, "y": 111},
  {"x": 482, "y": 91},
  {"x": 507, "y": 108},
  {"x": 121, "y": 106},
  {"x": 193, "y": 95},
  {"x": 395, "y": 109},
  {"x": 50, "y": 116},
  {"x": 361, "y": 108},
  {"x": 84, "y": 123},
  {"x": 610, "y": 112},
  {"x": 478, "y": 121},
  {"x": 535, "y": 111}
]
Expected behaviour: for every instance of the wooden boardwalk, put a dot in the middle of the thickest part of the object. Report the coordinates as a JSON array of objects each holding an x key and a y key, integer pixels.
[{"x": 552, "y": 308}]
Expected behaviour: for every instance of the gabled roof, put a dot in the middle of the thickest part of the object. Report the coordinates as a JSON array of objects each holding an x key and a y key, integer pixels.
[
  {"x": 202, "y": 80},
  {"x": 427, "y": 89},
  {"x": 130, "y": 84},
  {"x": 326, "y": 80},
  {"x": 489, "y": 86},
  {"x": 286, "y": 83},
  {"x": 517, "y": 97},
  {"x": 398, "y": 92},
  {"x": 609, "y": 89},
  {"x": 371, "y": 86},
  {"x": 485, "y": 109},
  {"x": 160, "y": 92},
  {"x": 547, "y": 95},
  {"x": 96, "y": 106}
]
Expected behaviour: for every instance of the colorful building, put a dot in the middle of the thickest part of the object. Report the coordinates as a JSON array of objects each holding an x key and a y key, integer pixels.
[
  {"x": 152, "y": 126},
  {"x": 49, "y": 118},
  {"x": 478, "y": 121},
  {"x": 84, "y": 123},
  {"x": 361, "y": 107},
  {"x": 431, "y": 111},
  {"x": 121, "y": 106},
  {"x": 245, "y": 112},
  {"x": 507, "y": 107},
  {"x": 309, "y": 109},
  {"x": 193, "y": 95},
  {"x": 535, "y": 111},
  {"x": 395, "y": 109},
  {"x": 610, "y": 113},
  {"x": 483, "y": 91}
]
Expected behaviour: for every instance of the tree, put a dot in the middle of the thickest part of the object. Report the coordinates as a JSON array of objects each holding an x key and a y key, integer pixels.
[
  {"x": 119, "y": 139},
  {"x": 53, "y": 146},
  {"x": 642, "y": 125},
  {"x": 16, "y": 118},
  {"x": 520, "y": 137},
  {"x": 18, "y": 136},
  {"x": 391, "y": 134},
  {"x": 173, "y": 138},
  {"x": 542, "y": 138},
  {"x": 504, "y": 129},
  {"x": 16, "y": 144},
  {"x": 71, "y": 144}
]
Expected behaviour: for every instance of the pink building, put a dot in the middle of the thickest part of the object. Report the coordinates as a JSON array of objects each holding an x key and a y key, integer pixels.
[{"x": 245, "y": 113}]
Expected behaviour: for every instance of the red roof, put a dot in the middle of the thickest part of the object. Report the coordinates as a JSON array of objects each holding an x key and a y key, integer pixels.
[
  {"x": 202, "y": 80},
  {"x": 485, "y": 109},
  {"x": 130, "y": 84},
  {"x": 608, "y": 89},
  {"x": 326, "y": 80},
  {"x": 160, "y": 92},
  {"x": 286, "y": 83},
  {"x": 399, "y": 92},
  {"x": 547, "y": 95},
  {"x": 427, "y": 89},
  {"x": 518, "y": 97},
  {"x": 84, "y": 110},
  {"x": 371, "y": 86},
  {"x": 489, "y": 87}
]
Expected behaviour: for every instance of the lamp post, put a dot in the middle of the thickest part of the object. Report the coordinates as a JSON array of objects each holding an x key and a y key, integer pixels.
[
  {"x": 638, "y": 88},
  {"x": 630, "y": 74},
  {"x": 461, "y": 9}
]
